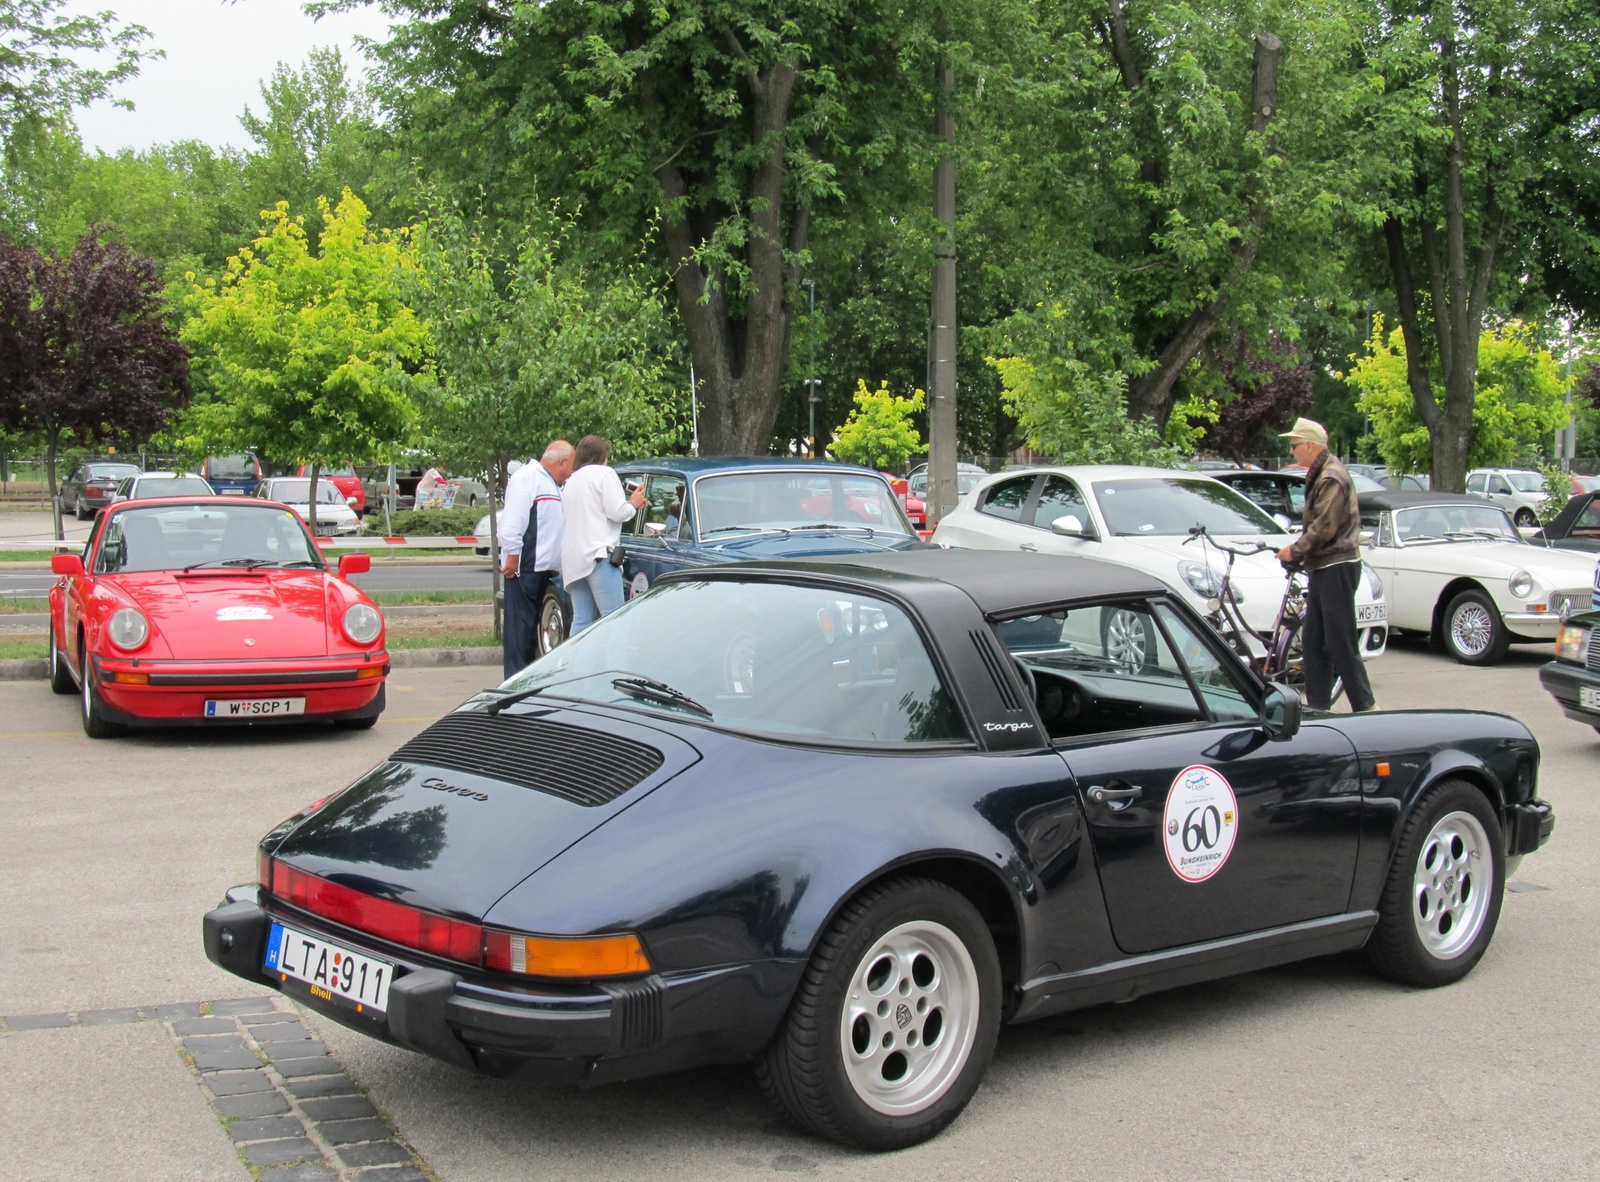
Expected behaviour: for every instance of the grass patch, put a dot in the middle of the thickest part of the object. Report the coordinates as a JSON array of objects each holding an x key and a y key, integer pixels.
[
  {"x": 11, "y": 650},
  {"x": 15, "y": 607},
  {"x": 401, "y": 598},
  {"x": 8, "y": 555},
  {"x": 435, "y": 640}
]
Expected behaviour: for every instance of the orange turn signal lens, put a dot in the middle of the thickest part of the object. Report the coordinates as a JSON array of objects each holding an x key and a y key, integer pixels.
[
  {"x": 369, "y": 673},
  {"x": 547, "y": 956},
  {"x": 1382, "y": 769},
  {"x": 131, "y": 678}
]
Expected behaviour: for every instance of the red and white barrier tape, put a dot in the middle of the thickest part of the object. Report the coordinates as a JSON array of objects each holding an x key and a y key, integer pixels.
[{"x": 345, "y": 543}]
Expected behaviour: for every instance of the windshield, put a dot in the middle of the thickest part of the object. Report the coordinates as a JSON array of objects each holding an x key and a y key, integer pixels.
[
  {"x": 171, "y": 486},
  {"x": 1364, "y": 483},
  {"x": 171, "y": 537},
  {"x": 1454, "y": 523},
  {"x": 112, "y": 471},
  {"x": 806, "y": 662},
  {"x": 1170, "y": 506},
  {"x": 296, "y": 491},
  {"x": 241, "y": 467},
  {"x": 1526, "y": 481},
  {"x": 805, "y": 499}
]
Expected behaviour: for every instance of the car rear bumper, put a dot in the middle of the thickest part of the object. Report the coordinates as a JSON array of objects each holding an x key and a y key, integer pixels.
[
  {"x": 1564, "y": 681},
  {"x": 584, "y": 1034},
  {"x": 177, "y": 691}
]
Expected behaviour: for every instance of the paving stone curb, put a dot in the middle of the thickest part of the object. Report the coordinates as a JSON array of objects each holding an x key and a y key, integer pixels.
[{"x": 290, "y": 1109}]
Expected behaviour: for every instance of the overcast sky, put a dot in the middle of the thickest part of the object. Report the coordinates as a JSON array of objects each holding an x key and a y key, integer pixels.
[{"x": 217, "y": 56}]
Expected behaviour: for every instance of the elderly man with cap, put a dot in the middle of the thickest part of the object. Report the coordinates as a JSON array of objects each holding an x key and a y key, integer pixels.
[
  {"x": 1330, "y": 550},
  {"x": 530, "y": 547}
]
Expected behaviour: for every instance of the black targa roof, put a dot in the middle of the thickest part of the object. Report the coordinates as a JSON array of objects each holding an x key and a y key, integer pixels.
[
  {"x": 1396, "y": 499},
  {"x": 1562, "y": 525}
]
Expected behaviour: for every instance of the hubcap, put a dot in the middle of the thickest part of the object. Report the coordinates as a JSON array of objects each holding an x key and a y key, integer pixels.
[
  {"x": 910, "y": 1018},
  {"x": 1453, "y": 885},
  {"x": 1125, "y": 640},
  {"x": 552, "y": 628},
  {"x": 1471, "y": 628}
]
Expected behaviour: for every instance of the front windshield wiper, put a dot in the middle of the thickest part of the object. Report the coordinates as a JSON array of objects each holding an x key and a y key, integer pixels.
[
  {"x": 242, "y": 563},
  {"x": 652, "y": 690},
  {"x": 835, "y": 525},
  {"x": 754, "y": 529}
]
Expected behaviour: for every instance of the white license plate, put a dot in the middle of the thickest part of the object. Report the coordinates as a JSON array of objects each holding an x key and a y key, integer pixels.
[
  {"x": 1589, "y": 697},
  {"x": 334, "y": 973},
  {"x": 1372, "y": 613},
  {"x": 254, "y": 707}
]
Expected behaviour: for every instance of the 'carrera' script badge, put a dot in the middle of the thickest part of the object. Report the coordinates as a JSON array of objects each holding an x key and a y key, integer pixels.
[
  {"x": 439, "y": 785},
  {"x": 243, "y": 613}
]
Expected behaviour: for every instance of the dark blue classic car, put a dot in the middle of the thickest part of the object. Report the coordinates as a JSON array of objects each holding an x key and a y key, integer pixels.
[
  {"x": 736, "y": 508},
  {"x": 841, "y": 819}
]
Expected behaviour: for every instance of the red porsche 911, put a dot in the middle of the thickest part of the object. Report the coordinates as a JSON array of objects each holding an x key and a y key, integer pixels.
[{"x": 212, "y": 610}]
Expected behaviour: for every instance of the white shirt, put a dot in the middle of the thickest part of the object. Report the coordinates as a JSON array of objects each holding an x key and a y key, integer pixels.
[
  {"x": 532, "y": 489},
  {"x": 595, "y": 507}
]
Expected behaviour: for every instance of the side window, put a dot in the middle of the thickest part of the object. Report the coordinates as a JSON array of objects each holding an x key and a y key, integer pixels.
[
  {"x": 1224, "y": 698},
  {"x": 1589, "y": 520},
  {"x": 1059, "y": 498},
  {"x": 664, "y": 507},
  {"x": 1264, "y": 491},
  {"x": 1498, "y": 487},
  {"x": 1297, "y": 498},
  {"x": 1477, "y": 484},
  {"x": 113, "y": 549},
  {"x": 1006, "y": 499}
]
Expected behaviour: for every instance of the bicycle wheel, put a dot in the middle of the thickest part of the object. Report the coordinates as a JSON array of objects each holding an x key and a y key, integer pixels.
[{"x": 1288, "y": 664}]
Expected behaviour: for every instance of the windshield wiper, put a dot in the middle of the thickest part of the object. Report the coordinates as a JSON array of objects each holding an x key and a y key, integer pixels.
[
  {"x": 835, "y": 525},
  {"x": 652, "y": 690},
  {"x": 242, "y": 563},
  {"x": 511, "y": 699},
  {"x": 754, "y": 529}
]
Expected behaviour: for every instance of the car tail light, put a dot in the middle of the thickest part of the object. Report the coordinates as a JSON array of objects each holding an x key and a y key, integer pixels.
[
  {"x": 546, "y": 956},
  {"x": 395, "y": 922}
]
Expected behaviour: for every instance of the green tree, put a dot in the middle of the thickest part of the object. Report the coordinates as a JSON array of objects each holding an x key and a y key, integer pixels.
[
  {"x": 41, "y": 80},
  {"x": 1519, "y": 401},
  {"x": 310, "y": 356},
  {"x": 878, "y": 432}
]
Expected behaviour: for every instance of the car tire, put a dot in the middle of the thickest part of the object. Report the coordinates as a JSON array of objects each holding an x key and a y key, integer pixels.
[
  {"x": 1474, "y": 633},
  {"x": 555, "y": 624},
  {"x": 922, "y": 950},
  {"x": 95, "y": 724},
  {"x": 60, "y": 676},
  {"x": 80, "y": 512},
  {"x": 1441, "y": 901},
  {"x": 1525, "y": 519},
  {"x": 1128, "y": 638}
]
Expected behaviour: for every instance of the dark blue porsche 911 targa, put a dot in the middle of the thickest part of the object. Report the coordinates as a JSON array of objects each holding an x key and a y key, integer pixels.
[{"x": 842, "y": 818}]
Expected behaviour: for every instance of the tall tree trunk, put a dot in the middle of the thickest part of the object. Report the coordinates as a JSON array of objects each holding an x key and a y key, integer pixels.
[
  {"x": 942, "y": 486},
  {"x": 52, "y": 445},
  {"x": 311, "y": 498}
]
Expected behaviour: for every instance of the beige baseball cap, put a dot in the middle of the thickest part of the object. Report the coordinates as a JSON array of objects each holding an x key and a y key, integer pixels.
[{"x": 1305, "y": 429}]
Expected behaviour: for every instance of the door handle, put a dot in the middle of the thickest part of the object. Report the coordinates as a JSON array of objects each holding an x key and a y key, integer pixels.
[
  {"x": 1029, "y": 547},
  {"x": 1114, "y": 798}
]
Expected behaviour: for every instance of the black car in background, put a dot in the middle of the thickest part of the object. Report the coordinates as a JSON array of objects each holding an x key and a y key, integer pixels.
[
  {"x": 93, "y": 486},
  {"x": 1576, "y": 527},
  {"x": 1573, "y": 678},
  {"x": 842, "y": 818}
]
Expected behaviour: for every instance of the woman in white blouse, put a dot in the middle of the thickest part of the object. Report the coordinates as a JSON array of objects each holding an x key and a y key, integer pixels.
[{"x": 593, "y": 507}]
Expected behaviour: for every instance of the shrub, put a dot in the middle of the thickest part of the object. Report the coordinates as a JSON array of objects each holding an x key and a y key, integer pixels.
[{"x": 428, "y": 523}]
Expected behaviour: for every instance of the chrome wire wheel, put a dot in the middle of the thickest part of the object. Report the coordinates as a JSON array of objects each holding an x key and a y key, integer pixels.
[
  {"x": 908, "y": 1024},
  {"x": 552, "y": 624},
  {"x": 1453, "y": 885},
  {"x": 1471, "y": 629},
  {"x": 1124, "y": 638}
]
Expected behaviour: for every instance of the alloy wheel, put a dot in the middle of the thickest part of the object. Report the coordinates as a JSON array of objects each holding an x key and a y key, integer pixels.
[
  {"x": 1471, "y": 629},
  {"x": 908, "y": 1024},
  {"x": 1125, "y": 639},
  {"x": 1451, "y": 888},
  {"x": 552, "y": 625}
]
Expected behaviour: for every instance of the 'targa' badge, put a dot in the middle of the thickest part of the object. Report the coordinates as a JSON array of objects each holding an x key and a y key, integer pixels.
[{"x": 1200, "y": 823}]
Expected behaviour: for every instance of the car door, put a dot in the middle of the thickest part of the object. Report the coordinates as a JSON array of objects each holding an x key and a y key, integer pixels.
[
  {"x": 1478, "y": 484},
  {"x": 1501, "y": 493},
  {"x": 651, "y": 539},
  {"x": 1056, "y": 497},
  {"x": 1201, "y": 826}
]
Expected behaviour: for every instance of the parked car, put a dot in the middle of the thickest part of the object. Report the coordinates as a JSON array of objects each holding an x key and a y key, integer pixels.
[
  {"x": 1410, "y": 482},
  {"x": 967, "y": 478},
  {"x": 1573, "y": 678},
  {"x": 1456, "y": 569},
  {"x": 1576, "y": 527},
  {"x": 93, "y": 486},
  {"x": 845, "y": 818},
  {"x": 233, "y": 476},
  {"x": 1517, "y": 491},
  {"x": 460, "y": 492},
  {"x": 1142, "y": 517},
  {"x": 347, "y": 482},
  {"x": 705, "y": 512},
  {"x": 335, "y": 518},
  {"x": 1282, "y": 495},
  {"x": 199, "y": 611},
  {"x": 1581, "y": 484},
  {"x": 162, "y": 484}
]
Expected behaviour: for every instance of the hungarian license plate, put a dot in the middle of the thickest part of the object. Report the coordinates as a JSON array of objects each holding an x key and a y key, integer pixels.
[
  {"x": 1372, "y": 613},
  {"x": 1589, "y": 698},
  {"x": 254, "y": 707},
  {"x": 334, "y": 973}
]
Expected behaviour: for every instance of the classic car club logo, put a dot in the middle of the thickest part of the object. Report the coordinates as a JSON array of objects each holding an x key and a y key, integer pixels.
[{"x": 1201, "y": 821}]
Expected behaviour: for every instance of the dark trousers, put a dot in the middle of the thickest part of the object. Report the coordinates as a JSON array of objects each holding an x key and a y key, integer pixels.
[
  {"x": 521, "y": 624},
  {"x": 1329, "y": 638}
]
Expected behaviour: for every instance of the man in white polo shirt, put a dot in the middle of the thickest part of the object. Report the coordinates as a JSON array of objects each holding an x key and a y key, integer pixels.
[{"x": 530, "y": 547}]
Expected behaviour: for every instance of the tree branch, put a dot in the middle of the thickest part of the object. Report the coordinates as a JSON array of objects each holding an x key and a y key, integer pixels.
[{"x": 751, "y": 73}]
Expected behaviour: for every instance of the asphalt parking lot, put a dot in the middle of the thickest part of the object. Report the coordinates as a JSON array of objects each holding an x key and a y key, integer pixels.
[{"x": 113, "y": 850}]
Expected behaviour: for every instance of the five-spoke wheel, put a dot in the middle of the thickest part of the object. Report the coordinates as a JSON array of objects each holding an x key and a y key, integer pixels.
[{"x": 1450, "y": 907}]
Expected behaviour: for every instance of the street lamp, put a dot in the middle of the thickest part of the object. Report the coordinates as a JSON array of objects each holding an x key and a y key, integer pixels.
[{"x": 811, "y": 382}]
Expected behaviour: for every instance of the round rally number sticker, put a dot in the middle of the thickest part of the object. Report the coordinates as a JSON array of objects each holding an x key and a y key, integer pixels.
[{"x": 1201, "y": 821}]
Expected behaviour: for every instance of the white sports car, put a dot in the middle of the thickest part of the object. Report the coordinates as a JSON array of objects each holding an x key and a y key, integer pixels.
[
  {"x": 1456, "y": 568},
  {"x": 335, "y": 517},
  {"x": 1141, "y": 517}
]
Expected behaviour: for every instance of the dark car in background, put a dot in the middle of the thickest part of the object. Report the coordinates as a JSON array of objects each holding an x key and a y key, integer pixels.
[
  {"x": 233, "y": 476},
  {"x": 93, "y": 486},
  {"x": 1576, "y": 527},
  {"x": 1573, "y": 678},
  {"x": 1282, "y": 494}
]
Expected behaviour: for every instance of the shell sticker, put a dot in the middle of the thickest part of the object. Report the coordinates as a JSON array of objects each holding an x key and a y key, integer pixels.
[
  {"x": 243, "y": 613},
  {"x": 639, "y": 585},
  {"x": 1200, "y": 823}
]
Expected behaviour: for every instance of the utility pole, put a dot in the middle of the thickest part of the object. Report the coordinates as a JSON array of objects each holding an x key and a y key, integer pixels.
[
  {"x": 942, "y": 347},
  {"x": 811, "y": 368}
]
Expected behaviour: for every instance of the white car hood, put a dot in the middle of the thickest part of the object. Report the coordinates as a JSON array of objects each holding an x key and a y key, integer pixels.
[{"x": 1560, "y": 570}]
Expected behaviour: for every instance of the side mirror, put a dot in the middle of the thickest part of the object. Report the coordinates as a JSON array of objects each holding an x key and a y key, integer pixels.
[
  {"x": 1068, "y": 527},
  {"x": 1368, "y": 537},
  {"x": 655, "y": 528},
  {"x": 66, "y": 564},
  {"x": 1283, "y": 520},
  {"x": 349, "y": 500},
  {"x": 354, "y": 564},
  {"x": 1280, "y": 712}
]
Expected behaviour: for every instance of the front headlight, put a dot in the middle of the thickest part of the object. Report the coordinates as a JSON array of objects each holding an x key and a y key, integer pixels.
[
  {"x": 1572, "y": 642},
  {"x": 128, "y": 628},
  {"x": 1521, "y": 584},
  {"x": 1374, "y": 582},
  {"x": 1201, "y": 578},
  {"x": 362, "y": 623}
]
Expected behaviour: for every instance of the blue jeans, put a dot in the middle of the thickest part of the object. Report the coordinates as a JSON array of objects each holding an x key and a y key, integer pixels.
[{"x": 597, "y": 594}]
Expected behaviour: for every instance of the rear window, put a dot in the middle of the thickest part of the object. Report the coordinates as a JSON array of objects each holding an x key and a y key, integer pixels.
[
  {"x": 242, "y": 467},
  {"x": 171, "y": 486},
  {"x": 112, "y": 471}
]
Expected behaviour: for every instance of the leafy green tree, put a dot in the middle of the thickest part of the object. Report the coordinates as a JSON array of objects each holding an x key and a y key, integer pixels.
[
  {"x": 878, "y": 432},
  {"x": 41, "y": 79},
  {"x": 310, "y": 356},
  {"x": 1519, "y": 401}
]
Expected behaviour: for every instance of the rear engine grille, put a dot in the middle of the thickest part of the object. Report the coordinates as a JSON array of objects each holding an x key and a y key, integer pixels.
[
  {"x": 1592, "y": 657},
  {"x": 584, "y": 766}
]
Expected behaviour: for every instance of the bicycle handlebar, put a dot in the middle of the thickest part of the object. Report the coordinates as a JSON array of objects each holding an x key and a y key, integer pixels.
[{"x": 1199, "y": 531}]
